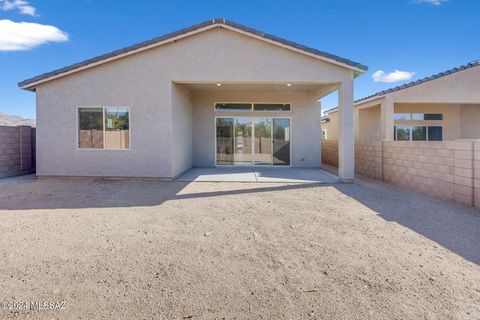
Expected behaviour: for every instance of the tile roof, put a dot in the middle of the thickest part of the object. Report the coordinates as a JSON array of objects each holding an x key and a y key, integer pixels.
[
  {"x": 217, "y": 21},
  {"x": 420, "y": 81}
]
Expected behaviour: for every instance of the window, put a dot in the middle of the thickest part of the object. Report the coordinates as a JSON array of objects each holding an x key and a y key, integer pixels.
[
  {"x": 427, "y": 116},
  {"x": 402, "y": 133},
  {"x": 271, "y": 107},
  {"x": 417, "y": 116},
  {"x": 434, "y": 116},
  {"x": 90, "y": 126},
  {"x": 401, "y": 116},
  {"x": 103, "y": 128},
  {"x": 233, "y": 107},
  {"x": 117, "y": 128},
  {"x": 409, "y": 130},
  {"x": 324, "y": 134},
  {"x": 419, "y": 133},
  {"x": 435, "y": 133},
  {"x": 242, "y": 107}
]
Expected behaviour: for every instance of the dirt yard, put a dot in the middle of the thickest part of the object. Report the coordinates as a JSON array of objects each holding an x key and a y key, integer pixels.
[{"x": 149, "y": 249}]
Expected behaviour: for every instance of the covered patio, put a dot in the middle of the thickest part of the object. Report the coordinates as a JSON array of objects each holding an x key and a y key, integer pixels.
[{"x": 247, "y": 129}]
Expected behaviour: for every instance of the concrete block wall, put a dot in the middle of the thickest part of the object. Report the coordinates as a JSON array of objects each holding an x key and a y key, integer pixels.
[
  {"x": 17, "y": 151},
  {"x": 448, "y": 170},
  {"x": 368, "y": 159},
  {"x": 425, "y": 167},
  {"x": 476, "y": 174},
  {"x": 330, "y": 152}
]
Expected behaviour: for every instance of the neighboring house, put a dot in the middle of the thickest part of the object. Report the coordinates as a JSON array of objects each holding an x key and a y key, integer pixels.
[
  {"x": 217, "y": 93},
  {"x": 330, "y": 124},
  {"x": 445, "y": 106}
]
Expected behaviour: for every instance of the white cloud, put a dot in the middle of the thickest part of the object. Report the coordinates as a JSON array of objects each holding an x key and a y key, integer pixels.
[
  {"x": 432, "y": 2},
  {"x": 395, "y": 76},
  {"x": 23, "y": 6},
  {"x": 17, "y": 36}
]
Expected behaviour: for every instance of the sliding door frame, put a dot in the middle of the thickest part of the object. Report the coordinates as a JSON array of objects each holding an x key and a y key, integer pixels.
[{"x": 252, "y": 162}]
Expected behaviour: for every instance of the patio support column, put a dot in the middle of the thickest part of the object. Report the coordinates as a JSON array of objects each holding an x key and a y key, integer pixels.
[
  {"x": 346, "y": 131},
  {"x": 386, "y": 116}
]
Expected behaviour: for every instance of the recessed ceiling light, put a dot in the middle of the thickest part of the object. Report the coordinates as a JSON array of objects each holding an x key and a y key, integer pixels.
[
  {"x": 219, "y": 84},
  {"x": 289, "y": 84}
]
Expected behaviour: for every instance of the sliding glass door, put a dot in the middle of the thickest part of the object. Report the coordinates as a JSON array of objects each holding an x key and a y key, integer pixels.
[
  {"x": 225, "y": 149},
  {"x": 263, "y": 141},
  {"x": 253, "y": 141},
  {"x": 281, "y": 141},
  {"x": 243, "y": 141}
]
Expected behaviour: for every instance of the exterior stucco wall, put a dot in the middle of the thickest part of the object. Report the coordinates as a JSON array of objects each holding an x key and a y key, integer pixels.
[
  {"x": 460, "y": 87},
  {"x": 368, "y": 124},
  {"x": 470, "y": 119},
  {"x": 182, "y": 133},
  {"x": 305, "y": 123},
  {"x": 143, "y": 82}
]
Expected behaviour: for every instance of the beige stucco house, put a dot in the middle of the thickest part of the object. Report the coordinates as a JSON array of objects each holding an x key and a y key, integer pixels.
[
  {"x": 215, "y": 94},
  {"x": 445, "y": 106}
]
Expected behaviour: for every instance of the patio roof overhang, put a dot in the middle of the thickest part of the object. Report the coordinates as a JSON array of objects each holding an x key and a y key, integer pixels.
[{"x": 318, "y": 90}]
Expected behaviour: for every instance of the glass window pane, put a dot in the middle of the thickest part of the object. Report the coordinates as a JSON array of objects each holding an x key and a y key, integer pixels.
[
  {"x": 281, "y": 141},
  {"x": 418, "y": 116},
  {"x": 433, "y": 116},
  {"x": 403, "y": 133},
  {"x": 263, "y": 141},
  {"x": 243, "y": 141},
  {"x": 435, "y": 133},
  {"x": 419, "y": 133},
  {"x": 401, "y": 116},
  {"x": 90, "y": 128},
  {"x": 117, "y": 128},
  {"x": 233, "y": 107},
  {"x": 225, "y": 148},
  {"x": 271, "y": 107}
]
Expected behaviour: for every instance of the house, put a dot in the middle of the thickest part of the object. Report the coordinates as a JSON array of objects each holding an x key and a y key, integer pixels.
[
  {"x": 215, "y": 94},
  {"x": 424, "y": 135},
  {"x": 445, "y": 106}
]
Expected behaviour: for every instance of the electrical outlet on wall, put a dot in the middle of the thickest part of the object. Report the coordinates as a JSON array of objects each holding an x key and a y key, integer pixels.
[{"x": 302, "y": 158}]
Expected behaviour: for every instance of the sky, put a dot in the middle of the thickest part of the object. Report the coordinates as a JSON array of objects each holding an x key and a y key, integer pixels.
[{"x": 399, "y": 40}]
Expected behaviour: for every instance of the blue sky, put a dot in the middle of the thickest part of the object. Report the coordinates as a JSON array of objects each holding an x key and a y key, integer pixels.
[{"x": 416, "y": 37}]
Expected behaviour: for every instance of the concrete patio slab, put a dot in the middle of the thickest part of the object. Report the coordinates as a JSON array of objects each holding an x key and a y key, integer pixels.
[
  {"x": 230, "y": 174},
  {"x": 297, "y": 175},
  {"x": 235, "y": 174}
]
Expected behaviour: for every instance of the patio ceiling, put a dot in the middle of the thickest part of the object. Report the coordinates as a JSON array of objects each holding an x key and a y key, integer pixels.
[{"x": 319, "y": 89}]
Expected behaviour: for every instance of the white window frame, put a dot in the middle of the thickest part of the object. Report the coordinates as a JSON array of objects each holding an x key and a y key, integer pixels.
[
  {"x": 103, "y": 121},
  {"x": 410, "y": 132},
  {"x": 251, "y": 107}
]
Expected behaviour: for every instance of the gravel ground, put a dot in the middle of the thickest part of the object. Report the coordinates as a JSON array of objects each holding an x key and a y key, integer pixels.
[{"x": 147, "y": 249}]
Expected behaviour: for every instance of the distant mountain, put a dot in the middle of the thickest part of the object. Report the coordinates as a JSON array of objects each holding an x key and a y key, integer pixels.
[{"x": 7, "y": 120}]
